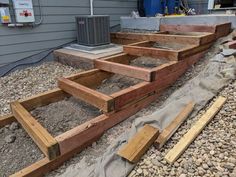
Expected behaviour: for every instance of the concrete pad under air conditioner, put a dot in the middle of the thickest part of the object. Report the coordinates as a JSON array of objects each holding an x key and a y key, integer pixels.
[{"x": 84, "y": 59}]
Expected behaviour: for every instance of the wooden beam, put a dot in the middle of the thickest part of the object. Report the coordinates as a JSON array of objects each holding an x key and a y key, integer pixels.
[
  {"x": 97, "y": 99},
  {"x": 127, "y": 70},
  {"x": 91, "y": 78},
  {"x": 165, "y": 69},
  {"x": 44, "y": 166},
  {"x": 173, "y": 126},
  {"x": 151, "y": 52},
  {"x": 41, "y": 137},
  {"x": 188, "y": 28},
  {"x": 139, "y": 144},
  {"x": 43, "y": 99},
  {"x": 196, "y": 129},
  {"x": 191, "y": 50},
  {"x": 223, "y": 29},
  {"x": 7, "y": 119},
  {"x": 122, "y": 58},
  {"x": 165, "y": 37}
]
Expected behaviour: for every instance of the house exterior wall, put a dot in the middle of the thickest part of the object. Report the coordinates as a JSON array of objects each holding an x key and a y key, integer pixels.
[{"x": 58, "y": 26}]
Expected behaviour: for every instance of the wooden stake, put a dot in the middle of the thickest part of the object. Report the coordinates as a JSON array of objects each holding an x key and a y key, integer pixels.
[
  {"x": 173, "y": 126},
  {"x": 189, "y": 137}
]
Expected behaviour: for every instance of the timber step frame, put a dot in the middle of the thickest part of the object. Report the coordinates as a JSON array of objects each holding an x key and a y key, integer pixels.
[
  {"x": 82, "y": 86},
  {"x": 89, "y": 131},
  {"x": 219, "y": 30},
  {"x": 60, "y": 148},
  {"x": 191, "y": 38},
  {"x": 119, "y": 64},
  {"x": 86, "y": 133},
  {"x": 145, "y": 48}
]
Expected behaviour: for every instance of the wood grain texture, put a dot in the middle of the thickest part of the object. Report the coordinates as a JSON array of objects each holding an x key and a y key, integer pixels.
[
  {"x": 188, "y": 28},
  {"x": 127, "y": 70},
  {"x": 41, "y": 137},
  {"x": 97, "y": 99},
  {"x": 166, "y": 37},
  {"x": 194, "y": 131},
  {"x": 43, "y": 99},
  {"x": 151, "y": 52},
  {"x": 139, "y": 144},
  {"x": 173, "y": 126}
]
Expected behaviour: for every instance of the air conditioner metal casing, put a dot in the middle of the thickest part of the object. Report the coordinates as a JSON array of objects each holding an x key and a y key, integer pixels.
[{"x": 93, "y": 30}]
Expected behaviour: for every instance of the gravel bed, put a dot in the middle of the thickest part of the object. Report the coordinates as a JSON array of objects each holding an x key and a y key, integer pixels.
[
  {"x": 30, "y": 81},
  {"x": 147, "y": 62},
  {"x": 116, "y": 83},
  {"x": 17, "y": 150},
  {"x": 64, "y": 115},
  {"x": 213, "y": 153}
]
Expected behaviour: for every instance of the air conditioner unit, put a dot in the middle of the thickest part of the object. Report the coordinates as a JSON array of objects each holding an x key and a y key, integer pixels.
[{"x": 93, "y": 30}]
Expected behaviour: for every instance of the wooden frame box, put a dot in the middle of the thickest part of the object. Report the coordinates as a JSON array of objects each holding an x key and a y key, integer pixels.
[
  {"x": 219, "y": 29},
  {"x": 146, "y": 48},
  {"x": 120, "y": 64},
  {"x": 83, "y": 85},
  {"x": 78, "y": 138},
  {"x": 165, "y": 36}
]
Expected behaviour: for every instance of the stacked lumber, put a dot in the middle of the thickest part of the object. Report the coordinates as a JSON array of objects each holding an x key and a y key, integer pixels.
[{"x": 115, "y": 107}]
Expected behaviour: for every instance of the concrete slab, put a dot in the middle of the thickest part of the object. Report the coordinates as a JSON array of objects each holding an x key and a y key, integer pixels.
[
  {"x": 141, "y": 23},
  {"x": 153, "y": 23},
  {"x": 83, "y": 60}
]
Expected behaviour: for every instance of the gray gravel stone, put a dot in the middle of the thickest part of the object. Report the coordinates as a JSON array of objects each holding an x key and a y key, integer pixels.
[
  {"x": 10, "y": 138},
  {"x": 14, "y": 126}
]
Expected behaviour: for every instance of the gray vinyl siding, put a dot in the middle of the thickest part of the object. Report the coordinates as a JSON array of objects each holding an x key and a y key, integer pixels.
[
  {"x": 58, "y": 26},
  {"x": 199, "y": 5}
]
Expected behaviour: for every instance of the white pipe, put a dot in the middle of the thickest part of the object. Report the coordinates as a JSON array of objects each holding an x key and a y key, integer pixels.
[{"x": 91, "y": 7}]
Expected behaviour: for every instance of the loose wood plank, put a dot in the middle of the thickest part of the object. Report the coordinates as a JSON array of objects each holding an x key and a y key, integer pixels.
[
  {"x": 99, "y": 100},
  {"x": 173, "y": 126},
  {"x": 196, "y": 129},
  {"x": 139, "y": 144},
  {"x": 41, "y": 137}
]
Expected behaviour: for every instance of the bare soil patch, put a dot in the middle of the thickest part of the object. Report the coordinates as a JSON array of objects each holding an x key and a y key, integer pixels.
[
  {"x": 116, "y": 83},
  {"x": 64, "y": 115},
  {"x": 147, "y": 62},
  {"x": 169, "y": 46}
]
